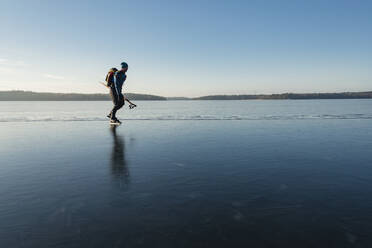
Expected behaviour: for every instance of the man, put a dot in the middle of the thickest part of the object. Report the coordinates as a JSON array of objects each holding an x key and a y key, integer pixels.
[{"x": 115, "y": 81}]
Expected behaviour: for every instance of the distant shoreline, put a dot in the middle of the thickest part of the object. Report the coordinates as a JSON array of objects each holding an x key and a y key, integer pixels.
[{"x": 44, "y": 96}]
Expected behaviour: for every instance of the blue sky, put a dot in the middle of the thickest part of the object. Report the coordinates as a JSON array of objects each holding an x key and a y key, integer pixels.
[{"x": 187, "y": 48}]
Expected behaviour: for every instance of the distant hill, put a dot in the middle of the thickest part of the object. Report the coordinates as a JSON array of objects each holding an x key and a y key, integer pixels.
[
  {"x": 289, "y": 96},
  {"x": 39, "y": 96},
  {"x": 178, "y": 98}
]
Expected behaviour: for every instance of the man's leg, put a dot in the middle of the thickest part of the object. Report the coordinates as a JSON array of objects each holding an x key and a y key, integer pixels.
[
  {"x": 121, "y": 102},
  {"x": 116, "y": 101}
]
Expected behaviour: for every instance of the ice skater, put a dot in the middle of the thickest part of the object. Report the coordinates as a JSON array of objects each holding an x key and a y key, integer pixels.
[{"x": 114, "y": 81}]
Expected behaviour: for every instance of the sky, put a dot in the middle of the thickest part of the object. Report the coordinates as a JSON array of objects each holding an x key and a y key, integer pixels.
[{"x": 187, "y": 48}]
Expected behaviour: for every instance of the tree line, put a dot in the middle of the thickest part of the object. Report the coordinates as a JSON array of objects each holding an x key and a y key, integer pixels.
[{"x": 41, "y": 96}]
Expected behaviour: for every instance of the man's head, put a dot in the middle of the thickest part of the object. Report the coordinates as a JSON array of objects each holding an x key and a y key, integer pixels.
[{"x": 124, "y": 66}]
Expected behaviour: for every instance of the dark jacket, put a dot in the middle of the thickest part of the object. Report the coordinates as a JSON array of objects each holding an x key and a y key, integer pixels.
[{"x": 115, "y": 80}]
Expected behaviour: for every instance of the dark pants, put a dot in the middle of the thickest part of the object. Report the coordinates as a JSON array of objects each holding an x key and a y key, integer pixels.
[{"x": 118, "y": 101}]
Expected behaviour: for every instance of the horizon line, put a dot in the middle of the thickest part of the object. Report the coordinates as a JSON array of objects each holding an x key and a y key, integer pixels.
[{"x": 255, "y": 94}]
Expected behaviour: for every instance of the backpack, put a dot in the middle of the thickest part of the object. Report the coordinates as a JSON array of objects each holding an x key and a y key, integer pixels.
[{"x": 110, "y": 72}]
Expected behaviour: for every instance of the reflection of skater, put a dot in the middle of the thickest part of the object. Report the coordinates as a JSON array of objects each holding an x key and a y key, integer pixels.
[{"x": 119, "y": 168}]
